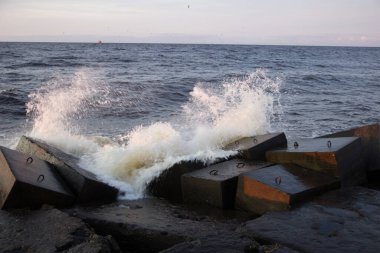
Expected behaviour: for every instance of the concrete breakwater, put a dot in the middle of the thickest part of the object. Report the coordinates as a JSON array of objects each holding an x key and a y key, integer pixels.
[{"x": 210, "y": 208}]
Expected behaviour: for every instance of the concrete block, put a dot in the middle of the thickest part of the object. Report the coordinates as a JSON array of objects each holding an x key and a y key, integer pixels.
[
  {"x": 346, "y": 221},
  {"x": 82, "y": 182},
  {"x": 216, "y": 184},
  {"x": 370, "y": 136},
  {"x": 340, "y": 157},
  {"x": 26, "y": 181},
  {"x": 254, "y": 148},
  {"x": 168, "y": 184},
  {"x": 280, "y": 187}
]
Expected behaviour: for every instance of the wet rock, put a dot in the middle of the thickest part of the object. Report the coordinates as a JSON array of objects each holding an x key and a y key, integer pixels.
[
  {"x": 49, "y": 230},
  {"x": 226, "y": 244},
  {"x": 82, "y": 182},
  {"x": 346, "y": 220},
  {"x": 214, "y": 243},
  {"x": 159, "y": 225}
]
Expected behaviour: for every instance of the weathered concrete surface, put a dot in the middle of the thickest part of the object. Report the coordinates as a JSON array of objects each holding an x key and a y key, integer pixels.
[
  {"x": 82, "y": 182},
  {"x": 254, "y": 148},
  {"x": 216, "y": 185},
  {"x": 280, "y": 187},
  {"x": 346, "y": 220},
  {"x": 168, "y": 184},
  {"x": 27, "y": 181},
  {"x": 151, "y": 225},
  {"x": 340, "y": 157},
  {"x": 49, "y": 230},
  {"x": 211, "y": 246},
  {"x": 370, "y": 136}
]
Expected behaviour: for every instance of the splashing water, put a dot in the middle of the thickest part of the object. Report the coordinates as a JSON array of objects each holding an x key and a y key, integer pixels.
[
  {"x": 54, "y": 107},
  {"x": 214, "y": 116},
  {"x": 238, "y": 108}
]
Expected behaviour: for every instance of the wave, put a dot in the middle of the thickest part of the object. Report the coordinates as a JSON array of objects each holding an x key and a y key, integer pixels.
[
  {"x": 321, "y": 78},
  {"x": 51, "y": 63},
  {"x": 11, "y": 97},
  {"x": 215, "y": 114},
  {"x": 28, "y": 64}
]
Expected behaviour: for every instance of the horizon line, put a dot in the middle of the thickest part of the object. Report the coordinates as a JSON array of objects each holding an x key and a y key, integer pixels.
[{"x": 189, "y": 43}]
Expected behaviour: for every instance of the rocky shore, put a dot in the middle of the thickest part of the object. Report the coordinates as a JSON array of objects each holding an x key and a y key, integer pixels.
[{"x": 310, "y": 214}]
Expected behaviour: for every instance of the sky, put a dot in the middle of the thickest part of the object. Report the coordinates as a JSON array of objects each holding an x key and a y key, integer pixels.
[{"x": 259, "y": 22}]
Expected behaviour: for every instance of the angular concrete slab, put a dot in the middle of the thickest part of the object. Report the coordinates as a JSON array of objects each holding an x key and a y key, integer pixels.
[
  {"x": 49, "y": 230},
  {"x": 346, "y": 220},
  {"x": 152, "y": 225},
  {"x": 26, "y": 181},
  {"x": 279, "y": 187},
  {"x": 370, "y": 136},
  {"x": 168, "y": 184},
  {"x": 216, "y": 185},
  {"x": 254, "y": 148},
  {"x": 340, "y": 157},
  {"x": 82, "y": 182}
]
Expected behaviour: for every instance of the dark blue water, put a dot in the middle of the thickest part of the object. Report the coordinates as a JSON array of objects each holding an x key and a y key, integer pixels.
[
  {"x": 129, "y": 111},
  {"x": 322, "y": 89}
]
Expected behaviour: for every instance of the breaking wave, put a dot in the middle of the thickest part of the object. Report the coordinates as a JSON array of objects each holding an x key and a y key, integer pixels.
[{"x": 215, "y": 115}]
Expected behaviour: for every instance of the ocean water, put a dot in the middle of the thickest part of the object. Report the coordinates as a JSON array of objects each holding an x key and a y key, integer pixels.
[{"x": 130, "y": 111}]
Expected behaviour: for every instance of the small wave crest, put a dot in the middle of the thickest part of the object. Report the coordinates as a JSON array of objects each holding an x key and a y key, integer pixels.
[
  {"x": 49, "y": 63},
  {"x": 215, "y": 115},
  {"x": 11, "y": 97}
]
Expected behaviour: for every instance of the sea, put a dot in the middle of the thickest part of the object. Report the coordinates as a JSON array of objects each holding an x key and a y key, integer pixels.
[{"x": 130, "y": 111}]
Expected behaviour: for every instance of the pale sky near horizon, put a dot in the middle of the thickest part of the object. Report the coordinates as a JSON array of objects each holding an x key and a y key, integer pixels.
[{"x": 279, "y": 22}]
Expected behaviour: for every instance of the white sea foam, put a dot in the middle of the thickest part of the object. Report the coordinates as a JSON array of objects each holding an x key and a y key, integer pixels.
[
  {"x": 53, "y": 108},
  {"x": 215, "y": 115}
]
